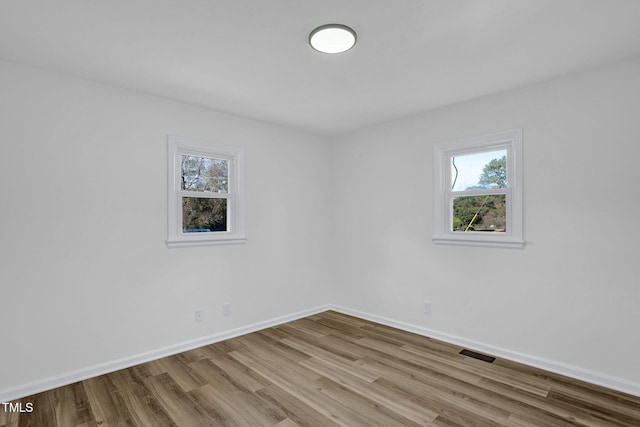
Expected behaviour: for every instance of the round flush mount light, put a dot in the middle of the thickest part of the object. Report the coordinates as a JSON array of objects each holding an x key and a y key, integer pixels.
[{"x": 332, "y": 38}]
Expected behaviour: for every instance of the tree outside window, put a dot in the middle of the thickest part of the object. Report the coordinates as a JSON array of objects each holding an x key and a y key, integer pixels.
[{"x": 478, "y": 198}]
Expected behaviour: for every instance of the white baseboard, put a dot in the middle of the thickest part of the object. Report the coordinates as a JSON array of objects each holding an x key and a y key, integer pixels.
[
  {"x": 604, "y": 380},
  {"x": 10, "y": 394},
  {"x": 592, "y": 377}
]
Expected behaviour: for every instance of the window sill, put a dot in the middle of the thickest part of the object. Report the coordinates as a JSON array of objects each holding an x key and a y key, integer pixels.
[
  {"x": 479, "y": 242},
  {"x": 184, "y": 243}
]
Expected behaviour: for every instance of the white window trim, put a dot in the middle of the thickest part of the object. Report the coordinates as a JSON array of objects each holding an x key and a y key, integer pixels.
[
  {"x": 511, "y": 140},
  {"x": 177, "y": 146}
]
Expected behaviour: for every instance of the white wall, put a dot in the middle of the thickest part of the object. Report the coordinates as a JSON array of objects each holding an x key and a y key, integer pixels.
[
  {"x": 572, "y": 295},
  {"x": 86, "y": 277}
]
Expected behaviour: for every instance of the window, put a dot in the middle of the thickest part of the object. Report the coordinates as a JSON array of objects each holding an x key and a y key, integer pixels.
[
  {"x": 205, "y": 194},
  {"x": 478, "y": 191}
]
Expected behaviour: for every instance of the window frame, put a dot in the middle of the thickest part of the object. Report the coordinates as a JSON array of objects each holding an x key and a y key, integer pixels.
[
  {"x": 443, "y": 195},
  {"x": 176, "y": 148}
]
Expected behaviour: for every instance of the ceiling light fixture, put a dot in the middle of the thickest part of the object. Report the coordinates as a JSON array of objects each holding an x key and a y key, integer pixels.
[{"x": 332, "y": 38}]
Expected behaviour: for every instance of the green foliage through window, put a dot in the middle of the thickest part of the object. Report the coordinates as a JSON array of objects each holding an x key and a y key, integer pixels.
[
  {"x": 494, "y": 173},
  {"x": 483, "y": 212},
  {"x": 477, "y": 191},
  {"x": 201, "y": 214},
  {"x": 479, "y": 213}
]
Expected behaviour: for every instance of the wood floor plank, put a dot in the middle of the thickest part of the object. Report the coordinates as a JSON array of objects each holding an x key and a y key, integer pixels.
[
  {"x": 106, "y": 402},
  {"x": 407, "y": 338},
  {"x": 481, "y": 369},
  {"x": 595, "y": 412},
  {"x": 268, "y": 350},
  {"x": 328, "y": 369},
  {"x": 333, "y": 344},
  {"x": 229, "y": 394},
  {"x": 296, "y": 409},
  {"x": 579, "y": 395},
  {"x": 431, "y": 366},
  {"x": 180, "y": 371},
  {"x": 287, "y": 423},
  {"x": 344, "y": 319},
  {"x": 43, "y": 411},
  {"x": 144, "y": 407},
  {"x": 457, "y": 408},
  {"x": 370, "y": 411},
  {"x": 301, "y": 383},
  {"x": 434, "y": 389},
  {"x": 309, "y": 327},
  {"x": 71, "y": 406},
  {"x": 9, "y": 418},
  {"x": 230, "y": 411},
  {"x": 419, "y": 414},
  {"x": 540, "y": 420},
  {"x": 341, "y": 346},
  {"x": 542, "y": 408},
  {"x": 181, "y": 409},
  {"x": 237, "y": 371},
  {"x": 336, "y": 360}
]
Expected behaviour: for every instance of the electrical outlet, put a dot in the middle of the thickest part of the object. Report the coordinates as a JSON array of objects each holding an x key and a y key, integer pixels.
[
  {"x": 427, "y": 307},
  {"x": 226, "y": 309},
  {"x": 199, "y": 316}
]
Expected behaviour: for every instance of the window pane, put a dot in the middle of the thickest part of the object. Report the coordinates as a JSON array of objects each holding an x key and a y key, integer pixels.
[
  {"x": 480, "y": 213},
  {"x": 205, "y": 174},
  {"x": 479, "y": 170},
  {"x": 203, "y": 215}
]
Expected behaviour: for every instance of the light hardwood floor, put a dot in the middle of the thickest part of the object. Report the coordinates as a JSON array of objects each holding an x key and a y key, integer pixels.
[{"x": 326, "y": 370}]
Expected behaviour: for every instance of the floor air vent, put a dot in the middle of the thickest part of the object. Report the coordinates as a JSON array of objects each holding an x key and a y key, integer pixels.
[{"x": 478, "y": 356}]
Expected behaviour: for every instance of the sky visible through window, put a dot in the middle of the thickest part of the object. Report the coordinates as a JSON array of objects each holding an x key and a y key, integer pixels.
[{"x": 470, "y": 168}]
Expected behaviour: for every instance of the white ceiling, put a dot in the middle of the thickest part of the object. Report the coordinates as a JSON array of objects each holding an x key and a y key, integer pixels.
[{"x": 251, "y": 57}]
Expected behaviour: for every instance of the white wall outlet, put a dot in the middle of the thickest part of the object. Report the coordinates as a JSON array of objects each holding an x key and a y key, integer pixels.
[
  {"x": 427, "y": 307},
  {"x": 226, "y": 309},
  {"x": 199, "y": 316}
]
